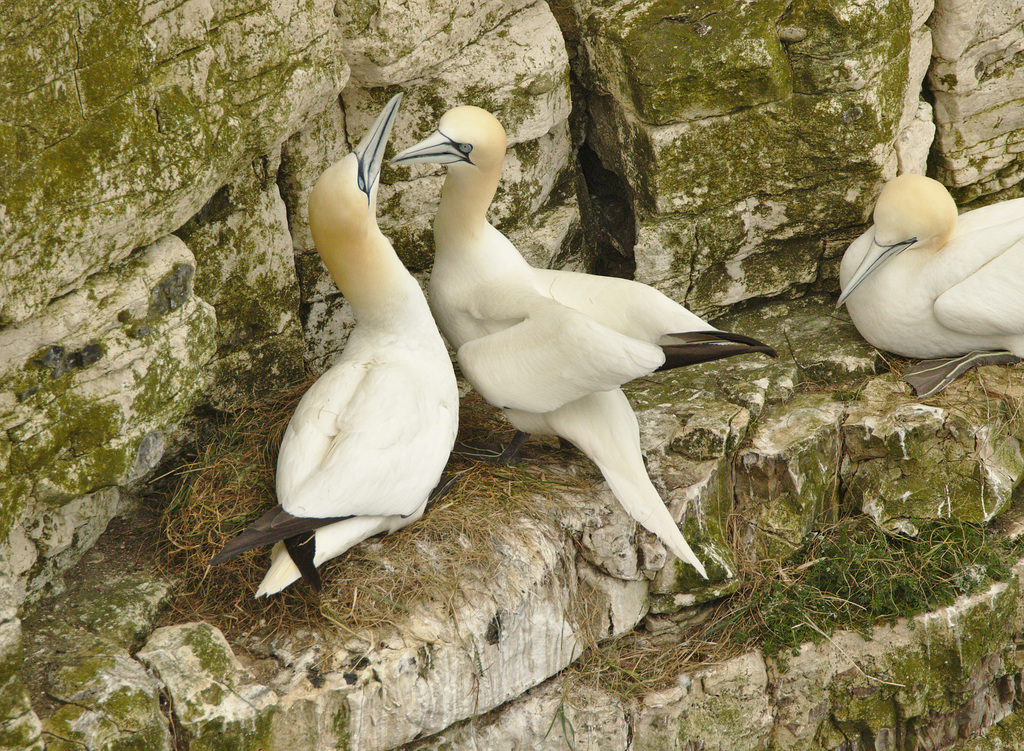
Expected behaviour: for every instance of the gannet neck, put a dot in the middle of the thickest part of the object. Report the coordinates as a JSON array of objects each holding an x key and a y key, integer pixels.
[
  {"x": 465, "y": 198},
  {"x": 358, "y": 257}
]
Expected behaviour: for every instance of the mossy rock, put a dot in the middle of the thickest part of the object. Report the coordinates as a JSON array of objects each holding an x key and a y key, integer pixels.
[{"x": 960, "y": 457}]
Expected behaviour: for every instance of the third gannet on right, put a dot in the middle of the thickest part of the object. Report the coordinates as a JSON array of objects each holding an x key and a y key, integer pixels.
[
  {"x": 925, "y": 283},
  {"x": 551, "y": 348}
]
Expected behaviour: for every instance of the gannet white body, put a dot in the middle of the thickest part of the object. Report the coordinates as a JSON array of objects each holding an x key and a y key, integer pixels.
[
  {"x": 924, "y": 283},
  {"x": 551, "y": 348},
  {"x": 371, "y": 437}
]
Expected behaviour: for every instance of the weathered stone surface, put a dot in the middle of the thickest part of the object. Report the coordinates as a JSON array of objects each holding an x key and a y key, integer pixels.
[
  {"x": 793, "y": 83},
  {"x": 787, "y": 480},
  {"x": 551, "y": 717},
  {"x": 89, "y": 386},
  {"x": 213, "y": 698},
  {"x": 936, "y": 679},
  {"x": 123, "y": 121},
  {"x": 245, "y": 268},
  {"x": 107, "y": 701},
  {"x": 977, "y": 79},
  {"x": 955, "y": 458},
  {"x": 389, "y": 42},
  {"x": 20, "y": 728},
  {"x": 88, "y": 690},
  {"x": 721, "y": 708}
]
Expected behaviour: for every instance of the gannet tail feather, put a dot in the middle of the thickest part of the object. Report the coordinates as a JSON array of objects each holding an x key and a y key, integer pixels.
[
  {"x": 302, "y": 549},
  {"x": 275, "y": 525},
  {"x": 281, "y": 573},
  {"x": 603, "y": 426},
  {"x": 692, "y": 347},
  {"x": 641, "y": 501}
]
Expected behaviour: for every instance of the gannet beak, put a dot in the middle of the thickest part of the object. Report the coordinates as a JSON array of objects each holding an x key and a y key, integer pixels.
[
  {"x": 370, "y": 151},
  {"x": 876, "y": 256},
  {"x": 437, "y": 148}
]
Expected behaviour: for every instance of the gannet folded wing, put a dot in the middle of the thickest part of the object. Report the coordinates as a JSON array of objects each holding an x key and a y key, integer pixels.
[
  {"x": 631, "y": 308},
  {"x": 377, "y": 460},
  {"x": 553, "y": 356},
  {"x": 990, "y": 301}
]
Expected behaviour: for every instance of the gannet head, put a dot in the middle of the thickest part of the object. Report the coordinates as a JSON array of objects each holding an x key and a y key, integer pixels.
[
  {"x": 343, "y": 208},
  {"x": 912, "y": 211},
  {"x": 465, "y": 137},
  {"x": 343, "y": 202}
]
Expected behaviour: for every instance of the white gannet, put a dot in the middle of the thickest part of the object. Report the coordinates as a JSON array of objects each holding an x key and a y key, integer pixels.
[
  {"x": 551, "y": 348},
  {"x": 925, "y": 283},
  {"x": 370, "y": 438}
]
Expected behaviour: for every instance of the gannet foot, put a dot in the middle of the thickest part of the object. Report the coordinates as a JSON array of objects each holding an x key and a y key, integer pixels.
[
  {"x": 929, "y": 377},
  {"x": 489, "y": 452}
]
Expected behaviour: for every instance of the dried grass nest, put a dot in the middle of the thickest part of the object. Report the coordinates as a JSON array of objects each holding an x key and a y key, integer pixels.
[
  {"x": 229, "y": 482},
  {"x": 850, "y": 575}
]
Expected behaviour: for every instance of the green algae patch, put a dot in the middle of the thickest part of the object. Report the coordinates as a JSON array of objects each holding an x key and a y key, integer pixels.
[
  {"x": 688, "y": 61},
  {"x": 955, "y": 456},
  {"x": 856, "y": 574}
]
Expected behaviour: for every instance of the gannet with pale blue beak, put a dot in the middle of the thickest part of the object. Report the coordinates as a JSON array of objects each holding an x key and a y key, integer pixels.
[
  {"x": 371, "y": 437},
  {"x": 925, "y": 283},
  {"x": 551, "y": 348}
]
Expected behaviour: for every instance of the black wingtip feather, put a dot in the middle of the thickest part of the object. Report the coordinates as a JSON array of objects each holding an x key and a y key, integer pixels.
[
  {"x": 275, "y": 525},
  {"x": 706, "y": 346}
]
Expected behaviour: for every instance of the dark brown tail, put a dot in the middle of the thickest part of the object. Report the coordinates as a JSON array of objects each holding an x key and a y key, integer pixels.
[
  {"x": 704, "y": 346},
  {"x": 277, "y": 524}
]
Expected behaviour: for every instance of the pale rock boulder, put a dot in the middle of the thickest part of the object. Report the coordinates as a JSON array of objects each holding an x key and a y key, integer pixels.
[
  {"x": 977, "y": 79},
  {"x": 213, "y": 697},
  {"x": 245, "y": 268},
  {"x": 123, "y": 120},
  {"x": 108, "y": 701},
  {"x": 960, "y": 458},
  {"x": 786, "y": 482},
  {"x": 90, "y": 386}
]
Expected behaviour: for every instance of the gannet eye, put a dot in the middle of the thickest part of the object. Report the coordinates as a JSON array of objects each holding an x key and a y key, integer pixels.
[
  {"x": 465, "y": 148},
  {"x": 361, "y": 182}
]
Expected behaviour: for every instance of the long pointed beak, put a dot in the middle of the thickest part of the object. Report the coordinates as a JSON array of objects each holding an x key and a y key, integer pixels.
[
  {"x": 876, "y": 256},
  {"x": 437, "y": 148},
  {"x": 370, "y": 151}
]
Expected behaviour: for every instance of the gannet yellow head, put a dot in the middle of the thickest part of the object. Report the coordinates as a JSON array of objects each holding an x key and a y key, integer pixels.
[
  {"x": 465, "y": 136},
  {"x": 343, "y": 207},
  {"x": 912, "y": 211}
]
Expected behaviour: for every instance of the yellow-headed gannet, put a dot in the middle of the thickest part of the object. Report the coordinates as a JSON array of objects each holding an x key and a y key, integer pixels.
[
  {"x": 548, "y": 347},
  {"x": 925, "y": 283},
  {"x": 369, "y": 440}
]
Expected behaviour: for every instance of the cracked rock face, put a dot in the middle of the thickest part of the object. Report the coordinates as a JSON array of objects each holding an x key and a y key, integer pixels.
[
  {"x": 721, "y": 119},
  {"x": 156, "y": 257}
]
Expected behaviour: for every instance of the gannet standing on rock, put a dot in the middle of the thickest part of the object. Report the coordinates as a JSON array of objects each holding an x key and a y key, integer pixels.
[
  {"x": 924, "y": 283},
  {"x": 369, "y": 440},
  {"x": 551, "y": 348}
]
